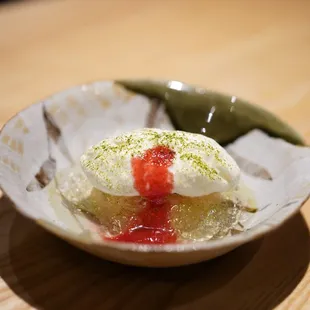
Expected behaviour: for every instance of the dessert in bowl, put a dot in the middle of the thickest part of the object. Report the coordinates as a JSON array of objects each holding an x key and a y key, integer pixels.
[
  {"x": 154, "y": 186},
  {"x": 116, "y": 174}
]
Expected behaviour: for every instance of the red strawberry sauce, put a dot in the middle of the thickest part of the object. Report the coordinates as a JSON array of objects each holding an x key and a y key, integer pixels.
[{"x": 154, "y": 182}]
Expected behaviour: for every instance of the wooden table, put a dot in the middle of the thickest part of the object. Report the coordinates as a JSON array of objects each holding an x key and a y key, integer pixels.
[{"x": 258, "y": 50}]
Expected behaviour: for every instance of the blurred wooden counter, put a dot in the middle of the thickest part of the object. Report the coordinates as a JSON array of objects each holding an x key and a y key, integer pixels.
[{"x": 258, "y": 50}]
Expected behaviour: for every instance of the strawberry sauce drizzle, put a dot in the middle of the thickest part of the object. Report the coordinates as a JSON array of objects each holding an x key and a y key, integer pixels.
[{"x": 154, "y": 183}]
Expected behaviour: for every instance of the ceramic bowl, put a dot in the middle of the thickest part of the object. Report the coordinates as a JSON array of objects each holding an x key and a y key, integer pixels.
[{"x": 52, "y": 134}]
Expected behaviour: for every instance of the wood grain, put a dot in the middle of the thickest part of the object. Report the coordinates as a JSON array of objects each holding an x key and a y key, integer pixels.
[{"x": 258, "y": 50}]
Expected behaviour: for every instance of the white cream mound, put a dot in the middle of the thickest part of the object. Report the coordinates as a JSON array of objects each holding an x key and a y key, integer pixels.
[{"x": 200, "y": 166}]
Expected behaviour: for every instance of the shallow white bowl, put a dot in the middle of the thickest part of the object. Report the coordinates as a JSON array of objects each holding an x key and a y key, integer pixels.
[{"x": 51, "y": 134}]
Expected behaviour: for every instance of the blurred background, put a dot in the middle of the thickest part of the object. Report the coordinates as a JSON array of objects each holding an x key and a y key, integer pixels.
[{"x": 255, "y": 49}]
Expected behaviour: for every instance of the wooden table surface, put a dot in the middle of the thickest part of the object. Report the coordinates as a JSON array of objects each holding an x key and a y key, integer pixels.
[{"x": 258, "y": 50}]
